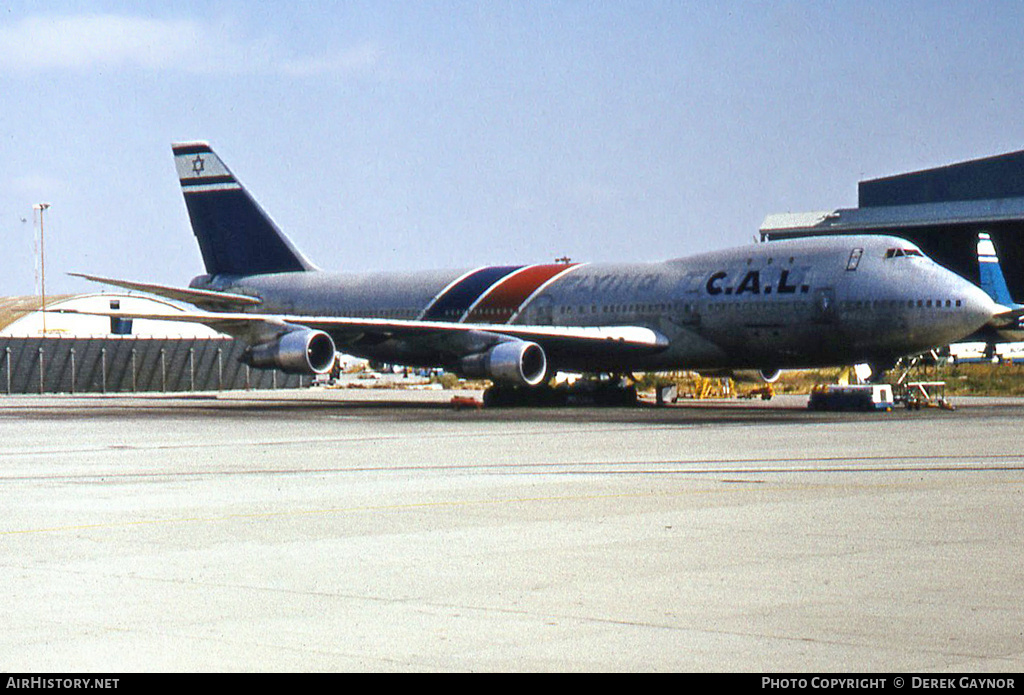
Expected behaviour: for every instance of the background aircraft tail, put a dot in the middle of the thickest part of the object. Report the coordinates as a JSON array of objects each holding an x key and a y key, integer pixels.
[
  {"x": 235, "y": 235},
  {"x": 991, "y": 274}
]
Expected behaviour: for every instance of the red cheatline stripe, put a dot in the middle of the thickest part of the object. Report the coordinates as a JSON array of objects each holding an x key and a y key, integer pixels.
[{"x": 504, "y": 299}]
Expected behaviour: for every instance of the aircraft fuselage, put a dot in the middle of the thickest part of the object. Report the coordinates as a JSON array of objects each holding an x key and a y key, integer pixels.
[{"x": 795, "y": 303}]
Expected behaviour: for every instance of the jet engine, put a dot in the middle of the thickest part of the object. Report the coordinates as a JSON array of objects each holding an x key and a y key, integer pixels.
[
  {"x": 769, "y": 376},
  {"x": 513, "y": 362},
  {"x": 302, "y": 351}
]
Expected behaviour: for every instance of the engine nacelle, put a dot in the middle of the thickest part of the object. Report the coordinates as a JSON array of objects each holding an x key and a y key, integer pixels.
[
  {"x": 769, "y": 376},
  {"x": 302, "y": 351},
  {"x": 512, "y": 362}
]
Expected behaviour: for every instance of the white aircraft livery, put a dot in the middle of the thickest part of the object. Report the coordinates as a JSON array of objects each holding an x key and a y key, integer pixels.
[{"x": 781, "y": 304}]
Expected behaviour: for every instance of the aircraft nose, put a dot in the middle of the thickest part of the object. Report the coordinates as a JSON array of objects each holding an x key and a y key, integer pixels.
[{"x": 978, "y": 307}]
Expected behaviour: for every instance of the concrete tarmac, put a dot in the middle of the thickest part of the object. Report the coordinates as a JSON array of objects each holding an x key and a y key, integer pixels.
[{"x": 385, "y": 531}]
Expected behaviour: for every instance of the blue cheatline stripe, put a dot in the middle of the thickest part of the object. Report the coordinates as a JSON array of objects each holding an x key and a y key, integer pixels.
[{"x": 456, "y": 301}]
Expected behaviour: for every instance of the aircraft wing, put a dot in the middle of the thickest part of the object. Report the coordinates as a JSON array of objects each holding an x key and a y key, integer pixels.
[
  {"x": 457, "y": 338},
  {"x": 204, "y": 299}
]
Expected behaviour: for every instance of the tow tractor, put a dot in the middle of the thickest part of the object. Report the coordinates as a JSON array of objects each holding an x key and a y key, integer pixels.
[{"x": 851, "y": 397}]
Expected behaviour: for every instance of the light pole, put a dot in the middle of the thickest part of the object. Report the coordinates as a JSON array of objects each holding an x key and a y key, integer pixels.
[{"x": 42, "y": 207}]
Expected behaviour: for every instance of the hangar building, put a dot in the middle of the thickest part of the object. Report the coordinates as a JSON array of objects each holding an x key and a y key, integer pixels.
[
  {"x": 942, "y": 210},
  {"x": 79, "y": 354}
]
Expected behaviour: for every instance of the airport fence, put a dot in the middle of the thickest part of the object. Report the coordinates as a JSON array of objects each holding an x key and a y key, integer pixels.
[{"x": 130, "y": 364}]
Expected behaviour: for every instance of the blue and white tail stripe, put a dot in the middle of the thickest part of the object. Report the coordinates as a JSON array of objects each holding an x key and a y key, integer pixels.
[
  {"x": 200, "y": 170},
  {"x": 990, "y": 274},
  {"x": 986, "y": 249}
]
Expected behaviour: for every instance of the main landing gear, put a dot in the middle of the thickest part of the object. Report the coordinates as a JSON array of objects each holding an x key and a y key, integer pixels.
[{"x": 608, "y": 392}]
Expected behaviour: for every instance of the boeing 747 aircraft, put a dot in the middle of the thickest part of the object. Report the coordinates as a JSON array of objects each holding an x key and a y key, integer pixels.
[{"x": 781, "y": 304}]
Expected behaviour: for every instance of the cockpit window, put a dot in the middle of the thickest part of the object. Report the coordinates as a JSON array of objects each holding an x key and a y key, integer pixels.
[{"x": 899, "y": 253}]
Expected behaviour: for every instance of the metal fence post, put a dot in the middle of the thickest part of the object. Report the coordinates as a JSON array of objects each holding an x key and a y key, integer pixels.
[
  {"x": 220, "y": 369},
  {"x": 103, "y": 368},
  {"x": 41, "y": 375},
  {"x": 7, "y": 359},
  {"x": 72, "y": 371},
  {"x": 163, "y": 369},
  {"x": 134, "y": 369},
  {"x": 192, "y": 369}
]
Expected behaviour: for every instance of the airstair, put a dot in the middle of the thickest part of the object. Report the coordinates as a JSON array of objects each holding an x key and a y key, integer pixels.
[{"x": 916, "y": 392}]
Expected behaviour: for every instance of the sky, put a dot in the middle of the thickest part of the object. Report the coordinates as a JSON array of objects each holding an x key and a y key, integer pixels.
[{"x": 419, "y": 135}]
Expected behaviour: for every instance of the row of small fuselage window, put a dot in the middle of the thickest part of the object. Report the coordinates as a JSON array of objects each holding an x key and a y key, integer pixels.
[
  {"x": 857, "y": 304},
  {"x": 711, "y": 306},
  {"x": 663, "y": 307},
  {"x": 896, "y": 303},
  {"x": 505, "y": 311}
]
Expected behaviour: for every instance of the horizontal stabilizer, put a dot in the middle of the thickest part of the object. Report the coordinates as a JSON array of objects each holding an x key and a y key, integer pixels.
[
  {"x": 1010, "y": 318},
  {"x": 204, "y": 299}
]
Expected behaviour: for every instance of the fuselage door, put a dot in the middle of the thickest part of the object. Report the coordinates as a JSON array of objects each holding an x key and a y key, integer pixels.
[
  {"x": 854, "y": 259},
  {"x": 543, "y": 310},
  {"x": 685, "y": 307},
  {"x": 825, "y": 305}
]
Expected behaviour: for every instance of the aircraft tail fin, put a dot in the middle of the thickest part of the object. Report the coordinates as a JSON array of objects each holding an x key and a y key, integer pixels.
[
  {"x": 236, "y": 237},
  {"x": 990, "y": 273}
]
